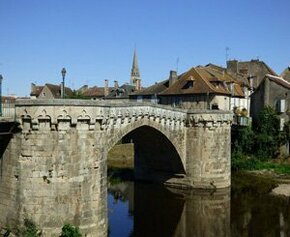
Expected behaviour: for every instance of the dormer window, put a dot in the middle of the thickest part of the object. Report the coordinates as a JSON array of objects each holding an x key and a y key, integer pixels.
[
  {"x": 215, "y": 84},
  {"x": 189, "y": 84}
]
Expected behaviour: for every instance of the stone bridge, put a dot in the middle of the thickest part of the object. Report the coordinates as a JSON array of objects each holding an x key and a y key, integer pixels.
[{"x": 54, "y": 169}]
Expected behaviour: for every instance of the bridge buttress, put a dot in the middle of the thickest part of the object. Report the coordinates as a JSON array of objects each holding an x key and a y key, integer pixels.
[{"x": 208, "y": 143}]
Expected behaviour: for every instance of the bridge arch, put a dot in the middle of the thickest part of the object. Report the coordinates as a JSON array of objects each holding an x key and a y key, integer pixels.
[
  {"x": 175, "y": 137},
  {"x": 158, "y": 151}
]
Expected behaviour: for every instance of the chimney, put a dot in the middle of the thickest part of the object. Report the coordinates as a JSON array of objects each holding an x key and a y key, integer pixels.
[
  {"x": 172, "y": 77},
  {"x": 106, "y": 88},
  {"x": 116, "y": 85},
  {"x": 251, "y": 78},
  {"x": 33, "y": 88},
  {"x": 138, "y": 85},
  {"x": 232, "y": 88},
  {"x": 232, "y": 66}
]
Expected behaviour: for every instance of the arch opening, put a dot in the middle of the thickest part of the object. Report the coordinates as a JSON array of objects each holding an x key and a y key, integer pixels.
[{"x": 155, "y": 157}]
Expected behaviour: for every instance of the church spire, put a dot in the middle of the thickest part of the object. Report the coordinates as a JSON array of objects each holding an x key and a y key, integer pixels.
[{"x": 135, "y": 74}]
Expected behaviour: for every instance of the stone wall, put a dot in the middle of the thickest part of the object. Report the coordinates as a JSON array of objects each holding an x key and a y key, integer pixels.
[
  {"x": 208, "y": 154},
  {"x": 55, "y": 174},
  {"x": 9, "y": 182}
]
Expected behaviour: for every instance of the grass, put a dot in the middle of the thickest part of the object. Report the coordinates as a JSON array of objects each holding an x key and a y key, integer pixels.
[
  {"x": 255, "y": 164},
  {"x": 121, "y": 156}
]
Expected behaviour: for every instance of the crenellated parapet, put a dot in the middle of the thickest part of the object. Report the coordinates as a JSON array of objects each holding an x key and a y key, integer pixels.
[
  {"x": 92, "y": 115},
  {"x": 210, "y": 119}
]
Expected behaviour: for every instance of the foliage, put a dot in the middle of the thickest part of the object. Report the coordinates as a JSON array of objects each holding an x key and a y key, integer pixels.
[
  {"x": 30, "y": 229},
  {"x": 252, "y": 148},
  {"x": 263, "y": 141},
  {"x": 69, "y": 230},
  {"x": 268, "y": 136},
  {"x": 267, "y": 122},
  {"x": 240, "y": 162},
  {"x": 243, "y": 140},
  {"x": 244, "y": 163},
  {"x": 7, "y": 232}
]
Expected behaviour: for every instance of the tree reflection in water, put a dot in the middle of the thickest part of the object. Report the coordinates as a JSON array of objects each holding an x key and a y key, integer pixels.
[
  {"x": 154, "y": 210},
  {"x": 160, "y": 211}
]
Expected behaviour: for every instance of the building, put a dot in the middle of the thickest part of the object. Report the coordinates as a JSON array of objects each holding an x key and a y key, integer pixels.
[
  {"x": 49, "y": 91},
  {"x": 135, "y": 73},
  {"x": 120, "y": 93},
  {"x": 254, "y": 70},
  {"x": 273, "y": 91},
  {"x": 95, "y": 92},
  {"x": 286, "y": 74},
  {"x": 198, "y": 88}
]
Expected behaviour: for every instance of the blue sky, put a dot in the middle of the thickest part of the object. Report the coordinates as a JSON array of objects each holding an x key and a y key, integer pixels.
[{"x": 95, "y": 39}]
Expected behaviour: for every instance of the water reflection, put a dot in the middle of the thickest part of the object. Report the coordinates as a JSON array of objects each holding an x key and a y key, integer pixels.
[
  {"x": 140, "y": 209},
  {"x": 260, "y": 215},
  {"x": 153, "y": 210}
]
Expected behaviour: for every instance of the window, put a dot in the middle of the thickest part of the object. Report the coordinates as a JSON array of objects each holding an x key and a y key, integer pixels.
[
  {"x": 176, "y": 101},
  {"x": 281, "y": 106},
  {"x": 215, "y": 106},
  {"x": 189, "y": 84}
]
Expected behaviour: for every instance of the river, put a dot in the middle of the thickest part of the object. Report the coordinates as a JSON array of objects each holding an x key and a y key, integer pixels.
[{"x": 145, "y": 209}]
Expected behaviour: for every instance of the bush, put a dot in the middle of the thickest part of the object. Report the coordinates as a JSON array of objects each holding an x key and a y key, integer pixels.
[
  {"x": 267, "y": 134},
  {"x": 69, "y": 230},
  {"x": 261, "y": 143},
  {"x": 30, "y": 229},
  {"x": 243, "y": 140},
  {"x": 240, "y": 162}
]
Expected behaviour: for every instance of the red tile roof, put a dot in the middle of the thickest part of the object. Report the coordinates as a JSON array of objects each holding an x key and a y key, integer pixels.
[
  {"x": 95, "y": 91},
  {"x": 36, "y": 91},
  {"x": 56, "y": 90},
  {"x": 154, "y": 89},
  {"x": 203, "y": 80}
]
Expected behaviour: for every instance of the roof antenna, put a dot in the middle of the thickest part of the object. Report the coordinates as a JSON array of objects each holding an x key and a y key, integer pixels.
[{"x": 227, "y": 53}]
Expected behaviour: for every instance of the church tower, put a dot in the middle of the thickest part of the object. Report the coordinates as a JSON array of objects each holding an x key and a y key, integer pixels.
[{"x": 135, "y": 74}]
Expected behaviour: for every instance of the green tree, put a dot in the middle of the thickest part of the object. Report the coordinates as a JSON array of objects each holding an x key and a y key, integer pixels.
[
  {"x": 243, "y": 140},
  {"x": 267, "y": 134},
  {"x": 69, "y": 230},
  {"x": 267, "y": 122}
]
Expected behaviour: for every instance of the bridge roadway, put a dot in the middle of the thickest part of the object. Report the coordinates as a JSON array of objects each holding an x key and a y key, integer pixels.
[{"x": 53, "y": 170}]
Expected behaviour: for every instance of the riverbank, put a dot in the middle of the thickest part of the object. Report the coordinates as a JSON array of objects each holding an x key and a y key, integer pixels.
[
  {"x": 121, "y": 156},
  {"x": 247, "y": 174},
  {"x": 263, "y": 181}
]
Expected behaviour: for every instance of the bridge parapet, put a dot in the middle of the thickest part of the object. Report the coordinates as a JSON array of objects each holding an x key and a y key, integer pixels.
[{"x": 91, "y": 115}]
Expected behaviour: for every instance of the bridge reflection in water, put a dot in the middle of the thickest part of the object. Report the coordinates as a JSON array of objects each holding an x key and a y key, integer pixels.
[{"x": 159, "y": 211}]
